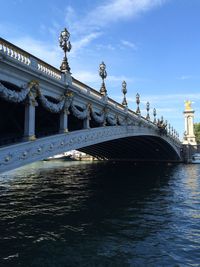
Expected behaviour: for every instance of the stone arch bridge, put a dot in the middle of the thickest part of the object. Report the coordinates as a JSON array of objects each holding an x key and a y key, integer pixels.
[{"x": 45, "y": 111}]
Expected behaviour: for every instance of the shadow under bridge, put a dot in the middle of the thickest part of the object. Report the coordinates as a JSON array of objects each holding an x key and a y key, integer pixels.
[{"x": 134, "y": 148}]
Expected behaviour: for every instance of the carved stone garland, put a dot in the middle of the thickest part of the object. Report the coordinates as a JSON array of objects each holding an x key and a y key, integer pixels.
[
  {"x": 112, "y": 121},
  {"x": 81, "y": 115},
  {"x": 122, "y": 122},
  {"x": 129, "y": 121},
  {"x": 13, "y": 96},
  {"x": 64, "y": 104},
  {"x": 50, "y": 106},
  {"x": 99, "y": 118}
]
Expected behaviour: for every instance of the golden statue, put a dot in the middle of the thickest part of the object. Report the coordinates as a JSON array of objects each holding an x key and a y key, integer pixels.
[{"x": 188, "y": 105}]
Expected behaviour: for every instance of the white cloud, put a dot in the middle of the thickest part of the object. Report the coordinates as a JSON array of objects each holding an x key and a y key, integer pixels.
[
  {"x": 105, "y": 47},
  {"x": 94, "y": 80},
  {"x": 91, "y": 25},
  {"x": 129, "y": 44},
  {"x": 172, "y": 105},
  {"x": 166, "y": 110},
  {"x": 115, "y": 10},
  {"x": 184, "y": 77},
  {"x": 88, "y": 77},
  {"x": 176, "y": 97},
  {"x": 119, "y": 79},
  {"x": 70, "y": 15},
  {"x": 161, "y": 110},
  {"x": 84, "y": 41},
  {"x": 50, "y": 53},
  {"x": 168, "y": 99},
  {"x": 110, "y": 11}
]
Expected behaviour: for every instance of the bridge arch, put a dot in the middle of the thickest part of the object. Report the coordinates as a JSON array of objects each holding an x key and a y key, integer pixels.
[
  {"x": 122, "y": 142},
  {"x": 134, "y": 148}
]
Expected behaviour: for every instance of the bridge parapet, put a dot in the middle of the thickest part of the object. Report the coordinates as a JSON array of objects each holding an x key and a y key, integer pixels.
[
  {"x": 10, "y": 50},
  {"x": 14, "y": 52}
]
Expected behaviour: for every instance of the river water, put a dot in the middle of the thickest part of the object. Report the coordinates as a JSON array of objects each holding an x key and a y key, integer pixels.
[{"x": 100, "y": 214}]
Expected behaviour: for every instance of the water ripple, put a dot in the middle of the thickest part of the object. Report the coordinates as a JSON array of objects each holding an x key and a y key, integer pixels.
[{"x": 100, "y": 214}]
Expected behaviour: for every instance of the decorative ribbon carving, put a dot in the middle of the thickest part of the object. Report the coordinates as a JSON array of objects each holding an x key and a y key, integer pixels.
[
  {"x": 129, "y": 121},
  {"x": 112, "y": 121},
  {"x": 99, "y": 118},
  {"x": 14, "y": 96},
  {"x": 81, "y": 115},
  {"x": 50, "y": 106},
  {"x": 122, "y": 122}
]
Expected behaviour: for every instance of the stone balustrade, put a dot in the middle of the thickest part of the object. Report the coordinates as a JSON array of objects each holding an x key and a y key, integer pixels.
[
  {"x": 24, "y": 57},
  {"x": 14, "y": 52}
]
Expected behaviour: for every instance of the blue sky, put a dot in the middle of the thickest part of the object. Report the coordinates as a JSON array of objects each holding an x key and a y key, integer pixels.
[{"x": 152, "y": 44}]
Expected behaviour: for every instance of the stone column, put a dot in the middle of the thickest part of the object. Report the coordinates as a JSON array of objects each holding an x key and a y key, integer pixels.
[
  {"x": 189, "y": 137},
  {"x": 63, "y": 122},
  {"x": 29, "y": 123},
  {"x": 86, "y": 123}
]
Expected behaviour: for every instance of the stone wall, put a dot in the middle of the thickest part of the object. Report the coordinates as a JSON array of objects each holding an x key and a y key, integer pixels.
[{"x": 189, "y": 150}]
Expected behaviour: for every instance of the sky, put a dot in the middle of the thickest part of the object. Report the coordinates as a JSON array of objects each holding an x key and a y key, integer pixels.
[{"x": 154, "y": 45}]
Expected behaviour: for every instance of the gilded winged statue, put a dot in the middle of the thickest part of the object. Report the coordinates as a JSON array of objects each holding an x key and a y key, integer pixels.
[{"x": 188, "y": 105}]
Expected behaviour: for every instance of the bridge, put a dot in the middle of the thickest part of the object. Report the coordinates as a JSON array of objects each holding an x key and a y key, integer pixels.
[{"x": 45, "y": 111}]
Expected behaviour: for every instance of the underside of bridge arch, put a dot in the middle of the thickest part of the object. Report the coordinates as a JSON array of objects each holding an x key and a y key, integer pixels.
[
  {"x": 11, "y": 118},
  {"x": 93, "y": 123},
  {"x": 46, "y": 123},
  {"x": 137, "y": 148},
  {"x": 74, "y": 123}
]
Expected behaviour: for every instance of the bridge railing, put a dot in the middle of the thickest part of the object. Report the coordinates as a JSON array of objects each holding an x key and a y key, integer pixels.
[
  {"x": 86, "y": 89},
  {"x": 110, "y": 102},
  {"x": 91, "y": 91},
  {"x": 23, "y": 57}
]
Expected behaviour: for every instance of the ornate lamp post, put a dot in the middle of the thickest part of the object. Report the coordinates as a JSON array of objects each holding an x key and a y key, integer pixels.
[
  {"x": 147, "y": 108},
  {"x": 138, "y": 103},
  {"x": 154, "y": 114},
  {"x": 165, "y": 124},
  {"x": 169, "y": 127},
  {"x": 103, "y": 75},
  {"x": 124, "y": 91},
  {"x": 66, "y": 46}
]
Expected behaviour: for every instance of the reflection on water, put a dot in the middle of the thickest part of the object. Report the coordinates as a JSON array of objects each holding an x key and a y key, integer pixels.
[{"x": 100, "y": 214}]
